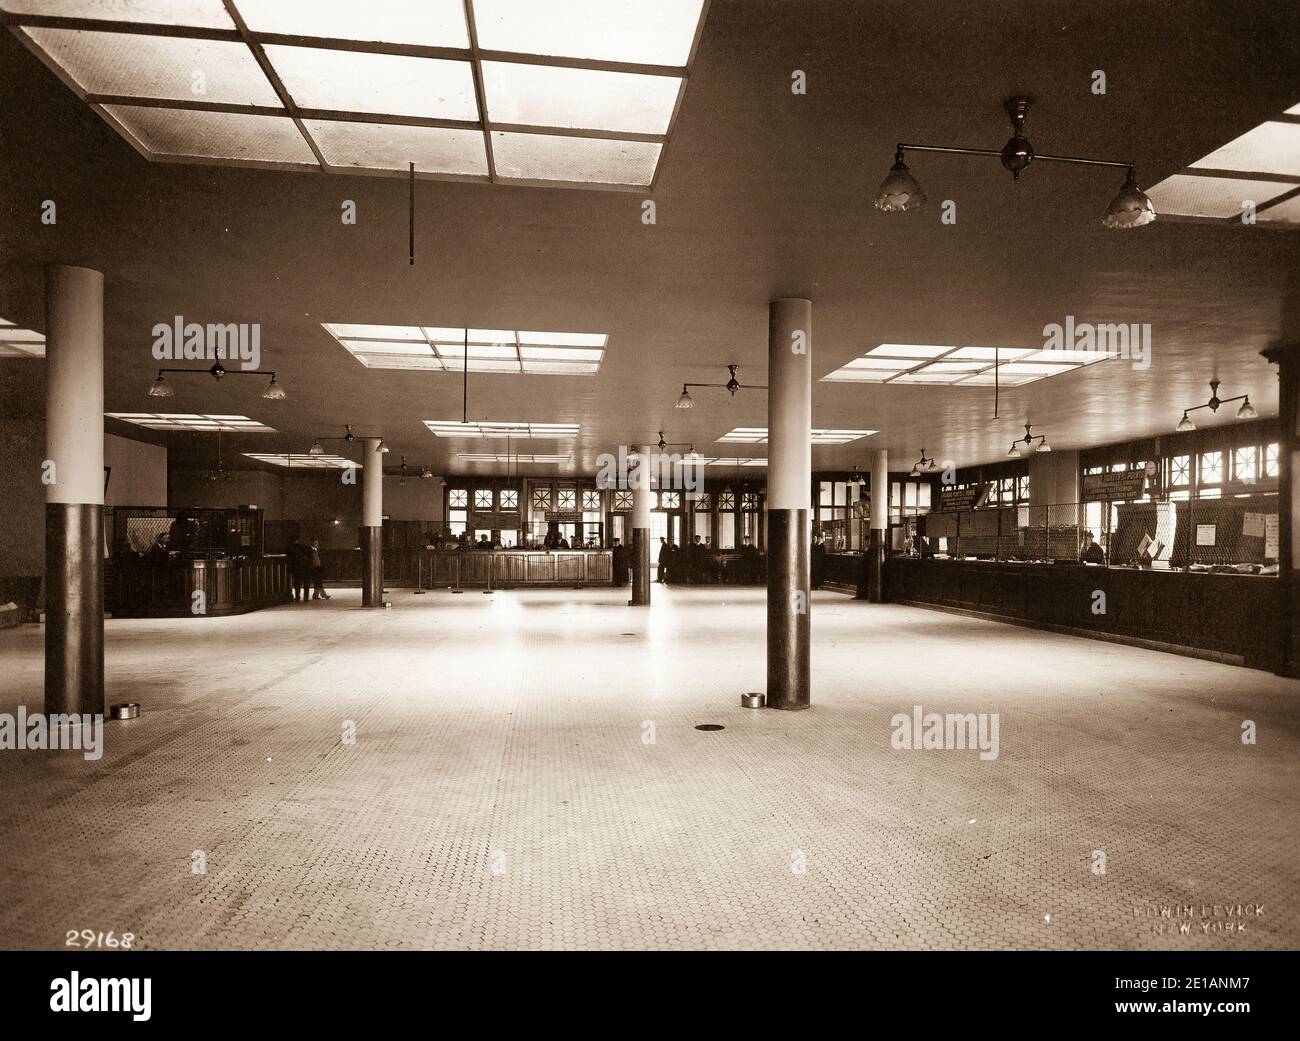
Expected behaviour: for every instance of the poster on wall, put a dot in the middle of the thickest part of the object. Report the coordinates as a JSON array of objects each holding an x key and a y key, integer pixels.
[
  {"x": 969, "y": 498},
  {"x": 1205, "y": 534},
  {"x": 1122, "y": 484}
]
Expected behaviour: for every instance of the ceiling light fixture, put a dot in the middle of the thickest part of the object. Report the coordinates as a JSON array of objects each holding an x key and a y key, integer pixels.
[
  {"x": 900, "y": 191},
  {"x": 347, "y": 437},
  {"x": 1246, "y": 411},
  {"x": 922, "y": 465},
  {"x": 161, "y": 388},
  {"x": 731, "y": 386},
  {"x": 1025, "y": 445}
]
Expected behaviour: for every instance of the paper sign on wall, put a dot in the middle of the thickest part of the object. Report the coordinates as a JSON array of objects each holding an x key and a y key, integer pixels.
[
  {"x": 1270, "y": 535},
  {"x": 1253, "y": 525},
  {"x": 1205, "y": 534}
]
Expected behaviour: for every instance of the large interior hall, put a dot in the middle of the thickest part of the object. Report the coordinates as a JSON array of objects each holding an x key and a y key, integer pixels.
[{"x": 649, "y": 475}]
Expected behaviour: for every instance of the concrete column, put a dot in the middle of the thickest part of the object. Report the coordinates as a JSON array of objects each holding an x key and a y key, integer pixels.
[
  {"x": 641, "y": 530},
  {"x": 74, "y": 496},
  {"x": 875, "y": 551},
  {"x": 789, "y": 484},
  {"x": 1287, "y": 359},
  {"x": 372, "y": 524}
]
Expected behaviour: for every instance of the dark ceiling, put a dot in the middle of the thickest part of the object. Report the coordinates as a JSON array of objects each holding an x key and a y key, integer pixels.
[{"x": 762, "y": 193}]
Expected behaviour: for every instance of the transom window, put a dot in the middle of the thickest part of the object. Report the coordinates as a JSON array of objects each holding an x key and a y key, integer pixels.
[
  {"x": 671, "y": 500},
  {"x": 726, "y": 500},
  {"x": 568, "y": 499},
  {"x": 541, "y": 498},
  {"x": 482, "y": 498},
  {"x": 1270, "y": 460},
  {"x": 622, "y": 500},
  {"x": 1180, "y": 467},
  {"x": 590, "y": 500},
  {"x": 1211, "y": 468},
  {"x": 749, "y": 501},
  {"x": 458, "y": 498},
  {"x": 705, "y": 502},
  {"x": 509, "y": 499},
  {"x": 1244, "y": 464}
]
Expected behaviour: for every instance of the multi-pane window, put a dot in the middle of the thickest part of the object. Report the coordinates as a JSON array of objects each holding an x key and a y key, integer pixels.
[
  {"x": 1211, "y": 468},
  {"x": 541, "y": 498},
  {"x": 590, "y": 499},
  {"x": 726, "y": 501},
  {"x": 1180, "y": 470},
  {"x": 1022, "y": 489},
  {"x": 509, "y": 499},
  {"x": 567, "y": 498},
  {"x": 482, "y": 498},
  {"x": 1244, "y": 464},
  {"x": 458, "y": 498},
  {"x": 622, "y": 500},
  {"x": 1270, "y": 460},
  {"x": 704, "y": 503},
  {"x": 671, "y": 500},
  {"x": 749, "y": 501}
]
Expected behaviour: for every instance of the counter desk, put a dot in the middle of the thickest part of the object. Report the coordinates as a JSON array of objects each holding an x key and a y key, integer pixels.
[
  {"x": 147, "y": 587},
  {"x": 498, "y": 568}
]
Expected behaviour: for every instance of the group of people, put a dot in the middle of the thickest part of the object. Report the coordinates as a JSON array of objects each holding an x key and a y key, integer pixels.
[
  {"x": 692, "y": 563},
  {"x": 306, "y": 571}
]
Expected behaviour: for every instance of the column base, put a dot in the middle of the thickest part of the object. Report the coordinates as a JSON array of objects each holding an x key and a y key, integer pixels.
[
  {"x": 372, "y": 566},
  {"x": 789, "y": 630},
  {"x": 640, "y": 567},
  {"x": 876, "y": 567},
  {"x": 74, "y": 608}
]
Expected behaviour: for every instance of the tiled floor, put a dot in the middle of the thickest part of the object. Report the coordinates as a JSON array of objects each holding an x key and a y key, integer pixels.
[{"x": 503, "y": 792}]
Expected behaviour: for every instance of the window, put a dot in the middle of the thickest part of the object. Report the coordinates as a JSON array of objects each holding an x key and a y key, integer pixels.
[
  {"x": 1244, "y": 465},
  {"x": 568, "y": 499},
  {"x": 1270, "y": 460},
  {"x": 458, "y": 498},
  {"x": 482, "y": 498},
  {"x": 749, "y": 501},
  {"x": 456, "y": 521},
  {"x": 590, "y": 499},
  {"x": 704, "y": 502},
  {"x": 671, "y": 500},
  {"x": 654, "y": 500},
  {"x": 727, "y": 501},
  {"x": 541, "y": 498},
  {"x": 1211, "y": 470},
  {"x": 1180, "y": 470},
  {"x": 622, "y": 500},
  {"x": 726, "y": 529},
  {"x": 509, "y": 501},
  {"x": 1022, "y": 489}
]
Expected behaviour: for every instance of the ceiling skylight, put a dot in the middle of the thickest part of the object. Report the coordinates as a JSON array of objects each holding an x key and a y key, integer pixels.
[
  {"x": 714, "y": 460},
  {"x": 192, "y": 421},
  {"x": 922, "y": 364},
  {"x": 1255, "y": 173},
  {"x": 758, "y": 436},
  {"x": 454, "y": 428},
  {"x": 303, "y": 461},
  {"x": 582, "y": 93},
  {"x": 20, "y": 343},
  {"x": 440, "y": 349}
]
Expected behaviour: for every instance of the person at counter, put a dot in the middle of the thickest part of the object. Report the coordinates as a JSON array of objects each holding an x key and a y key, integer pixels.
[
  {"x": 665, "y": 559},
  {"x": 182, "y": 533},
  {"x": 299, "y": 561},
  {"x": 622, "y": 571},
  {"x": 1091, "y": 553}
]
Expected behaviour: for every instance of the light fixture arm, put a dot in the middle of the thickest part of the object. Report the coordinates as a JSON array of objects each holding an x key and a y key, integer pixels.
[
  {"x": 731, "y": 385},
  {"x": 903, "y": 148},
  {"x": 217, "y": 371}
]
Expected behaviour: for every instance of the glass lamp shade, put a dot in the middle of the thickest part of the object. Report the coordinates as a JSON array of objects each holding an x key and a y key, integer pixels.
[
  {"x": 1015, "y": 448},
  {"x": 1185, "y": 424},
  {"x": 685, "y": 401},
  {"x": 1044, "y": 447},
  {"x": 1130, "y": 208},
  {"x": 316, "y": 449},
  {"x": 381, "y": 448},
  {"x": 914, "y": 472},
  {"x": 900, "y": 190},
  {"x": 161, "y": 388},
  {"x": 274, "y": 392},
  {"x": 1247, "y": 411}
]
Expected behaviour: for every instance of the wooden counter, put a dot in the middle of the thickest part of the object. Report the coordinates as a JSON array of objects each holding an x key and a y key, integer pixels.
[
  {"x": 165, "y": 588},
  {"x": 1233, "y": 617},
  {"x": 502, "y": 568}
]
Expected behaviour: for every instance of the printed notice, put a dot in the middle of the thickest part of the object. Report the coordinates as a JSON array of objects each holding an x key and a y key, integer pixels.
[{"x": 1205, "y": 534}]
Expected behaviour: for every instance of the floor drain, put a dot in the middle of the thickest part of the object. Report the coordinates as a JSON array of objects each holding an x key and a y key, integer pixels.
[{"x": 709, "y": 726}]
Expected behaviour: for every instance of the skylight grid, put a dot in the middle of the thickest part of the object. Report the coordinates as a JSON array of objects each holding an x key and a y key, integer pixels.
[
  {"x": 926, "y": 364},
  {"x": 454, "y": 428},
  {"x": 443, "y": 349},
  {"x": 820, "y": 436},
  {"x": 16, "y": 342},
  {"x": 192, "y": 421},
  {"x": 714, "y": 460},
  {"x": 510, "y": 457},
  {"x": 580, "y": 93},
  {"x": 304, "y": 461},
  {"x": 1255, "y": 177}
]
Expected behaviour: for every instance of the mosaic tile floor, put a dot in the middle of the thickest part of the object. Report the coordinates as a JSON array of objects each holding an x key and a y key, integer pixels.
[{"x": 526, "y": 773}]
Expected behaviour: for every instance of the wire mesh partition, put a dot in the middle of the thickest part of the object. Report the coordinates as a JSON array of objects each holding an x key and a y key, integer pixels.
[
  {"x": 193, "y": 532},
  {"x": 1231, "y": 534}
]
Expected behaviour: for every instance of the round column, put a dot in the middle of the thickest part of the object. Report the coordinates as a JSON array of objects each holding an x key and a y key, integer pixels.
[
  {"x": 372, "y": 524},
  {"x": 641, "y": 529},
  {"x": 74, "y": 495},
  {"x": 879, "y": 526},
  {"x": 789, "y": 484}
]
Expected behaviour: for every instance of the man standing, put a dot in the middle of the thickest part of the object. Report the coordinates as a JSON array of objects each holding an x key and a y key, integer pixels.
[
  {"x": 317, "y": 572},
  {"x": 299, "y": 568},
  {"x": 620, "y": 564},
  {"x": 665, "y": 558}
]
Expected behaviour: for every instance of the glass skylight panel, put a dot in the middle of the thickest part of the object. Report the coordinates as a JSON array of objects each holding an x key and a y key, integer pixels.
[
  {"x": 428, "y": 23},
  {"x": 960, "y": 366},
  {"x": 726, "y": 461},
  {"x": 16, "y": 342},
  {"x": 987, "y": 354},
  {"x": 453, "y": 428},
  {"x": 413, "y": 347},
  {"x": 542, "y": 95},
  {"x": 376, "y": 332},
  {"x": 392, "y": 146},
  {"x": 1070, "y": 357},
  {"x": 208, "y": 14},
  {"x": 560, "y": 368},
  {"x": 490, "y": 350},
  {"x": 214, "y": 135},
  {"x": 1283, "y": 212},
  {"x": 353, "y": 81},
  {"x": 311, "y": 462},
  {"x": 926, "y": 377},
  {"x": 1194, "y": 196},
  {"x": 955, "y": 366},
  {"x": 586, "y": 160},
  {"x": 1270, "y": 147},
  {"x": 162, "y": 67},
  {"x": 653, "y": 32},
  {"x": 820, "y": 436},
  {"x": 564, "y": 339},
  {"x": 569, "y": 354},
  {"x": 504, "y": 457},
  {"x": 402, "y": 361},
  {"x": 908, "y": 350},
  {"x": 191, "y": 421},
  {"x": 476, "y": 351}
]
